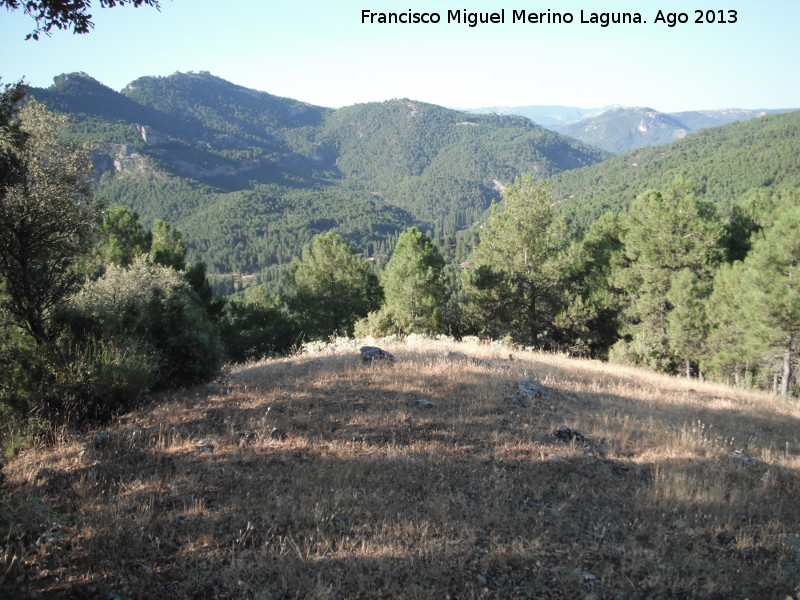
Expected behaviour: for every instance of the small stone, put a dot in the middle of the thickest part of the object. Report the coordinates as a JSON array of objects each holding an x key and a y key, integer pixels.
[
  {"x": 740, "y": 456},
  {"x": 205, "y": 445},
  {"x": 45, "y": 473},
  {"x": 100, "y": 439},
  {"x": 566, "y": 434},
  {"x": 481, "y": 579},
  {"x": 680, "y": 524},
  {"x": 557, "y": 458},
  {"x": 246, "y": 437},
  {"x": 213, "y": 416},
  {"x": 51, "y": 537},
  {"x": 426, "y": 403}
]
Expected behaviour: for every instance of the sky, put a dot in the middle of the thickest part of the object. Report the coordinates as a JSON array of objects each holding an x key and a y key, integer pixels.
[{"x": 321, "y": 52}]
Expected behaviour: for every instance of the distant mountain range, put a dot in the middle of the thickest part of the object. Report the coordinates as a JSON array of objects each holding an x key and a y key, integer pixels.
[
  {"x": 249, "y": 177},
  {"x": 550, "y": 116},
  {"x": 621, "y": 129}
]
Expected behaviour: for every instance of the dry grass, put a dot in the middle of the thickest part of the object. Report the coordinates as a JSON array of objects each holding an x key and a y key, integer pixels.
[{"x": 318, "y": 476}]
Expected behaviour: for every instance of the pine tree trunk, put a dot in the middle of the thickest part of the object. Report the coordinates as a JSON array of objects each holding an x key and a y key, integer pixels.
[
  {"x": 688, "y": 369},
  {"x": 532, "y": 318},
  {"x": 787, "y": 366}
]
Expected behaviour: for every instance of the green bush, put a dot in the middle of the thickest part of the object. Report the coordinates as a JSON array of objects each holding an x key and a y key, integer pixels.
[{"x": 156, "y": 306}]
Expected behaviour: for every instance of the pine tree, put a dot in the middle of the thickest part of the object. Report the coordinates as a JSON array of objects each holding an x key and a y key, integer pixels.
[
  {"x": 121, "y": 237},
  {"x": 666, "y": 233},
  {"x": 772, "y": 273},
  {"x": 331, "y": 287},
  {"x": 732, "y": 345},
  {"x": 414, "y": 285},
  {"x": 167, "y": 247},
  {"x": 589, "y": 320},
  {"x": 514, "y": 283},
  {"x": 687, "y": 324}
]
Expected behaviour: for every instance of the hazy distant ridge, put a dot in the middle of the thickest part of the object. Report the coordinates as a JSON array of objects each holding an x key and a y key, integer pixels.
[{"x": 620, "y": 129}]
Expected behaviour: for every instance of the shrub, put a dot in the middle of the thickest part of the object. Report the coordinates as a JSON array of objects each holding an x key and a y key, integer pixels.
[
  {"x": 253, "y": 331},
  {"x": 154, "y": 305}
]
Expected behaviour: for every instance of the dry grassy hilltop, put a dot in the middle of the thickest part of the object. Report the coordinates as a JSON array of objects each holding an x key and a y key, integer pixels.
[{"x": 481, "y": 473}]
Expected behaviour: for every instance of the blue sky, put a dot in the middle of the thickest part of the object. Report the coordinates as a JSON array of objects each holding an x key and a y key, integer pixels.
[{"x": 321, "y": 52}]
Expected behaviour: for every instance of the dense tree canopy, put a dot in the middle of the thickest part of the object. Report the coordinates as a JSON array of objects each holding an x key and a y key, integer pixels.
[
  {"x": 772, "y": 276},
  {"x": 414, "y": 288},
  {"x": 121, "y": 237}
]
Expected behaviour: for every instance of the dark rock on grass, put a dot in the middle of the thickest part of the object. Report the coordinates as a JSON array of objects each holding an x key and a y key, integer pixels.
[
  {"x": 566, "y": 434},
  {"x": 426, "y": 403},
  {"x": 374, "y": 354},
  {"x": 100, "y": 440}
]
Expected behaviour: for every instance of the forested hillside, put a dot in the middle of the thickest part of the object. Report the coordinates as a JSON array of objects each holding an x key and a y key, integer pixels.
[
  {"x": 679, "y": 258},
  {"x": 249, "y": 178},
  {"x": 439, "y": 163},
  {"x": 722, "y": 162}
]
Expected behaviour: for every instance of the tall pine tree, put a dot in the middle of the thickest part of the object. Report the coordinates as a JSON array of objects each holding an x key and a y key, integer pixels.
[
  {"x": 772, "y": 274},
  {"x": 667, "y": 233},
  {"x": 514, "y": 282}
]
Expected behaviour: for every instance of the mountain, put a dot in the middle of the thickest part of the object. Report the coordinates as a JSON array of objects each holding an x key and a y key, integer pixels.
[
  {"x": 551, "y": 116},
  {"x": 437, "y": 162},
  {"x": 622, "y": 129},
  {"x": 619, "y": 129},
  {"x": 249, "y": 177},
  {"x": 723, "y": 162},
  {"x": 700, "y": 119}
]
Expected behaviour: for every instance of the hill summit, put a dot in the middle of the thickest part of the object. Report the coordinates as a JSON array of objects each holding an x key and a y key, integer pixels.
[{"x": 459, "y": 469}]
